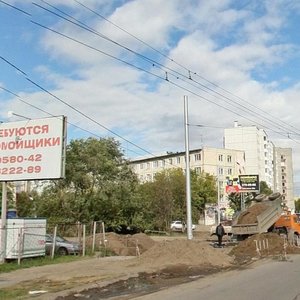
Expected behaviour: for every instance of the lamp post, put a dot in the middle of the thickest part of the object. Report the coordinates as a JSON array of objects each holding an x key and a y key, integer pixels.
[
  {"x": 187, "y": 173},
  {"x": 218, "y": 187}
]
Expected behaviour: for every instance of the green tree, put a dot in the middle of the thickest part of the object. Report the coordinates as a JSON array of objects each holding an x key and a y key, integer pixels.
[
  {"x": 204, "y": 191},
  {"x": 165, "y": 197},
  {"x": 99, "y": 185},
  {"x": 264, "y": 188},
  {"x": 297, "y": 205}
]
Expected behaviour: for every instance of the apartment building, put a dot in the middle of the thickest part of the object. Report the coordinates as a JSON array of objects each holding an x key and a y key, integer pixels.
[
  {"x": 284, "y": 183},
  {"x": 259, "y": 150},
  {"x": 274, "y": 165},
  {"x": 222, "y": 163}
]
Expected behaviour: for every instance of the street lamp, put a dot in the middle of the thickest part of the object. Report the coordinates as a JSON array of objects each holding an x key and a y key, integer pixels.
[{"x": 187, "y": 173}]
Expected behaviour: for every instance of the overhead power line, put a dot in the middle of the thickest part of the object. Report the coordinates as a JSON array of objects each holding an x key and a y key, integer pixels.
[
  {"x": 166, "y": 78},
  {"x": 16, "y": 8},
  {"x": 174, "y": 73},
  {"x": 49, "y": 114}
]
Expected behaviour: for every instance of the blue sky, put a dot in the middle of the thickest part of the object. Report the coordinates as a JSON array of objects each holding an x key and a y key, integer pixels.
[{"x": 249, "y": 48}]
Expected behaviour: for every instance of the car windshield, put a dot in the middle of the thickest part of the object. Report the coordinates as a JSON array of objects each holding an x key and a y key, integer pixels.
[
  {"x": 49, "y": 238},
  {"x": 60, "y": 239}
]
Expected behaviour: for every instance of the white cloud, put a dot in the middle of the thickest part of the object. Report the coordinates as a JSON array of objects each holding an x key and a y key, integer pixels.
[{"x": 224, "y": 44}]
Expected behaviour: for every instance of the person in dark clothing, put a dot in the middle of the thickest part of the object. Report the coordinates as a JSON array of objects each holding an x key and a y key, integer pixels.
[{"x": 220, "y": 231}]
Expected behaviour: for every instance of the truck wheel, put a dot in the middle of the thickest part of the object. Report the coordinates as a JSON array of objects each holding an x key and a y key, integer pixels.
[
  {"x": 274, "y": 196},
  {"x": 296, "y": 239},
  {"x": 260, "y": 197}
]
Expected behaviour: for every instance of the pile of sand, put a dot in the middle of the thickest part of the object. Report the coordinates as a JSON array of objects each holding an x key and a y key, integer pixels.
[
  {"x": 249, "y": 216},
  {"x": 188, "y": 252},
  {"x": 262, "y": 245},
  {"x": 126, "y": 245}
]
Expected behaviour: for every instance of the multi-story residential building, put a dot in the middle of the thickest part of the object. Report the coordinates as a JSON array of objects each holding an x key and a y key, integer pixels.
[
  {"x": 222, "y": 163},
  {"x": 259, "y": 150},
  {"x": 283, "y": 165},
  {"x": 273, "y": 165}
]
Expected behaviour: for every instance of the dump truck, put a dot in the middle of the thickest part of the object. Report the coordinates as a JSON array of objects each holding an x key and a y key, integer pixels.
[
  {"x": 287, "y": 222},
  {"x": 259, "y": 217}
]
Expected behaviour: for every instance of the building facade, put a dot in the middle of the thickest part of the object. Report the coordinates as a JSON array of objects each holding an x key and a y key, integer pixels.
[
  {"x": 274, "y": 165},
  {"x": 222, "y": 163},
  {"x": 259, "y": 150},
  {"x": 284, "y": 183}
]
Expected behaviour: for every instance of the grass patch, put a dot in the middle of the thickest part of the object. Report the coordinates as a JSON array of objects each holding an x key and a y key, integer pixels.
[
  {"x": 12, "y": 265},
  {"x": 17, "y": 293}
]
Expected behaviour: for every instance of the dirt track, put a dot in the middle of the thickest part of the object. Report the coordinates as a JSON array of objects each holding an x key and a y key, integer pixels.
[{"x": 167, "y": 260}]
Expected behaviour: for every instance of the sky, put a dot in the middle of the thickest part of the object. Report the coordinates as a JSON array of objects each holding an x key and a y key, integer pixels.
[{"x": 121, "y": 69}]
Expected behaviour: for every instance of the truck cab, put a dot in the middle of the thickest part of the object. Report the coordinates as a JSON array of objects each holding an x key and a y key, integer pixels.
[{"x": 288, "y": 222}]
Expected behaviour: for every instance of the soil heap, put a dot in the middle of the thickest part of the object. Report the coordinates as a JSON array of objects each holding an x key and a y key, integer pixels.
[{"x": 249, "y": 216}]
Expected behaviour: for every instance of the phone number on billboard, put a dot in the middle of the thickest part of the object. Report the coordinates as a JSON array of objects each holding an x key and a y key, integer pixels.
[
  {"x": 19, "y": 159},
  {"x": 21, "y": 170}
]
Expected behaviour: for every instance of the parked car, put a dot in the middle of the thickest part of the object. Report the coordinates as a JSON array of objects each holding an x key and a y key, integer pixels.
[
  {"x": 62, "y": 246},
  {"x": 179, "y": 226}
]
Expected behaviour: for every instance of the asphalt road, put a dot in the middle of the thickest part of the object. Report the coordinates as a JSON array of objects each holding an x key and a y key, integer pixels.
[{"x": 270, "y": 280}]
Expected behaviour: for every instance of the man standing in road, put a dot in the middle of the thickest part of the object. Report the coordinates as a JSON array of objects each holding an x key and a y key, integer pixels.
[{"x": 220, "y": 231}]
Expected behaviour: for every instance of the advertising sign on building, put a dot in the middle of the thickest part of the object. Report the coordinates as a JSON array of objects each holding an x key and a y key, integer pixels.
[
  {"x": 249, "y": 183},
  {"x": 232, "y": 185},
  {"x": 33, "y": 149}
]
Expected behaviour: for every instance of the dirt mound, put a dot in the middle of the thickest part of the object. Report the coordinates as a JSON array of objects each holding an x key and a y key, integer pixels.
[
  {"x": 186, "y": 252},
  {"x": 265, "y": 244},
  {"x": 249, "y": 216},
  {"x": 128, "y": 245}
]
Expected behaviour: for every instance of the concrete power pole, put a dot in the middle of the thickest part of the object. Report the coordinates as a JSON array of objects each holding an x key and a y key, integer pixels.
[{"x": 187, "y": 172}]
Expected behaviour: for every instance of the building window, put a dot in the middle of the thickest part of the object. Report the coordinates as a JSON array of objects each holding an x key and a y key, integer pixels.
[
  {"x": 197, "y": 156},
  {"x": 220, "y": 171},
  {"x": 148, "y": 165},
  {"x": 142, "y": 166},
  {"x": 155, "y": 164},
  {"x": 229, "y": 171},
  {"x": 283, "y": 184},
  {"x": 220, "y": 157},
  {"x": 170, "y": 161},
  {"x": 198, "y": 170},
  {"x": 163, "y": 163},
  {"x": 282, "y": 177},
  {"x": 229, "y": 158},
  {"x": 178, "y": 160}
]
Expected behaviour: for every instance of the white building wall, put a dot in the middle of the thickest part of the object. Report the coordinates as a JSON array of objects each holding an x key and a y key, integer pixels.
[
  {"x": 284, "y": 183},
  {"x": 258, "y": 150},
  {"x": 221, "y": 163}
]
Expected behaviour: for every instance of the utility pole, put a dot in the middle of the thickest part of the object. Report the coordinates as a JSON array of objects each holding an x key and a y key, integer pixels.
[
  {"x": 3, "y": 223},
  {"x": 187, "y": 173},
  {"x": 218, "y": 186}
]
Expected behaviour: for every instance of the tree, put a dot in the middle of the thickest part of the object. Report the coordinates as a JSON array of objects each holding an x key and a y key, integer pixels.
[
  {"x": 165, "y": 197},
  {"x": 297, "y": 205},
  {"x": 99, "y": 184},
  {"x": 204, "y": 190},
  {"x": 264, "y": 188}
]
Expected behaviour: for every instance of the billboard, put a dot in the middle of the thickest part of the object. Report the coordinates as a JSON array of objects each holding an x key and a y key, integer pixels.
[
  {"x": 33, "y": 149},
  {"x": 249, "y": 183},
  {"x": 242, "y": 183}
]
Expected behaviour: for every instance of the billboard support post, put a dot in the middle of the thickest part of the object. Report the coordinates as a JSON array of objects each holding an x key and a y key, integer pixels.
[{"x": 3, "y": 222}]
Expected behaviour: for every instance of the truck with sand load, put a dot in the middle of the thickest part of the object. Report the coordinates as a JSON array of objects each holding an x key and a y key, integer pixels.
[{"x": 259, "y": 217}]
